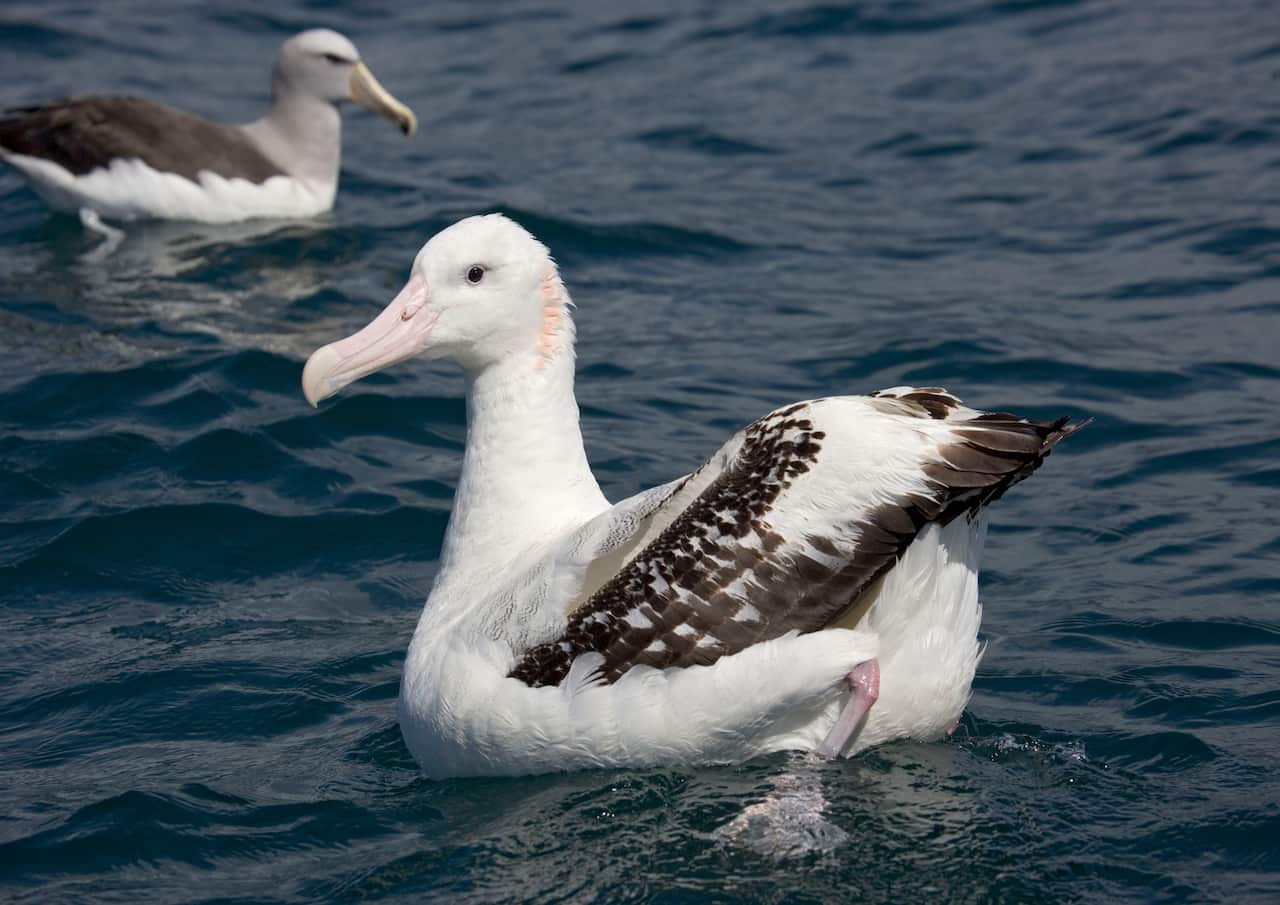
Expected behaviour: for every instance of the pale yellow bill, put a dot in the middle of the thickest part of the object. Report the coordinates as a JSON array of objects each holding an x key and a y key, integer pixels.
[{"x": 368, "y": 92}]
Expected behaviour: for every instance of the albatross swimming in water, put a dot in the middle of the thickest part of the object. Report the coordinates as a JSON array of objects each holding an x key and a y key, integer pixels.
[
  {"x": 813, "y": 586},
  {"x": 125, "y": 158}
]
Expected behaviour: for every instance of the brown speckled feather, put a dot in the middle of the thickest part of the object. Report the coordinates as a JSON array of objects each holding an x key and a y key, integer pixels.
[{"x": 721, "y": 576}]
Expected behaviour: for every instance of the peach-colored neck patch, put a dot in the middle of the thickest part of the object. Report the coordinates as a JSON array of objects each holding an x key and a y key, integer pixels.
[{"x": 552, "y": 314}]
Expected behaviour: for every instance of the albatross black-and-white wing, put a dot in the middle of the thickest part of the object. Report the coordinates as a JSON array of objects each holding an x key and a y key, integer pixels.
[{"x": 785, "y": 528}]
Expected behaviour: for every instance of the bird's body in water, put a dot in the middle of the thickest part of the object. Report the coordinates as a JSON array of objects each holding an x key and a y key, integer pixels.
[
  {"x": 810, "y": 587},
  {"x": 127, "y": 158}
]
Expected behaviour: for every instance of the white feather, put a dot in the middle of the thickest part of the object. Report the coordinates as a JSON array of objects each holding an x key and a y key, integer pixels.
[{"x": 131, "y": 190}]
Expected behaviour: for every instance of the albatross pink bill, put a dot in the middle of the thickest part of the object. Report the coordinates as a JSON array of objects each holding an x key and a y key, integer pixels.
[{"x": 399, "y": 332}]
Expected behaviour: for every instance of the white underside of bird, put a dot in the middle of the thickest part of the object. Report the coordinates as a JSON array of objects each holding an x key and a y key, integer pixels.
[
  {"x": 130, "y": 190},
  {"x": 710, "y": 620},
  {"x": 462, "y": 715}
]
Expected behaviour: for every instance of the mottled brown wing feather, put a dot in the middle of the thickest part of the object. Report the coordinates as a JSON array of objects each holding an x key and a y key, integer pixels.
[
  {"x": 718, "y": 579},
  {"x": 82, "y": 134}
]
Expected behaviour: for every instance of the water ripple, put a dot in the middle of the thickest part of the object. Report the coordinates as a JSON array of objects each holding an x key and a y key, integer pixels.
[{"x": 207, "y": 588}]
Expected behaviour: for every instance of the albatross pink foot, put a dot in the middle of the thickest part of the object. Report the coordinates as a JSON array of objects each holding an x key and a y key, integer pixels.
[{"x": 864, "y": 682}]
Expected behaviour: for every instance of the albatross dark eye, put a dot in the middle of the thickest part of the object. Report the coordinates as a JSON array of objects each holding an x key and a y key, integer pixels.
[
  {"x": 336, "y": 58},
  {"x": 475, "y": 274}
]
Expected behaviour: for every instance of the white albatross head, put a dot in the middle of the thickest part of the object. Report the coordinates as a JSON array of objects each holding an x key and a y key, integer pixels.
[
  {"x": 323, "y": 64},
  {"x": 481, "y": 291}
]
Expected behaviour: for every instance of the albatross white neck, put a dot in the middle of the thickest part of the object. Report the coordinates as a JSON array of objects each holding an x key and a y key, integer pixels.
[{"x": 525, "y": 476}]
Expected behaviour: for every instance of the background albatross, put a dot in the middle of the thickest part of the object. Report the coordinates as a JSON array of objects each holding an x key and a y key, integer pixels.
[
  {"x": 126, "y": 158},
  {"x": 813, "y": 586}
]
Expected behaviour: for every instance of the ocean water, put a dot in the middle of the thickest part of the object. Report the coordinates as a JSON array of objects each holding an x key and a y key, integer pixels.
[{"x": 206, "y": 587}]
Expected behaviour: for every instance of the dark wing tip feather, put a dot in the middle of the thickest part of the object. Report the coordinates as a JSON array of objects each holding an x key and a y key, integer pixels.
[
  {"x": 934, "y": 401},
  {"x": 1062, "y": 428},
  {"x": 999, "y": 447}
]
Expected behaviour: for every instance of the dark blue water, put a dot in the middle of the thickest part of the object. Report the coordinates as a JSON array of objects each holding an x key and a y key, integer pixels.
[{"x": 206, "y": 588}]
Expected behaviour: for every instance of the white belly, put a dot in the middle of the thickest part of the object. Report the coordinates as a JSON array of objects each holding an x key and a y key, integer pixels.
[
  {"x": 131, "y": 190},
  {"x": 926, "y": 617},
  {"x": 461, "y": 715}
]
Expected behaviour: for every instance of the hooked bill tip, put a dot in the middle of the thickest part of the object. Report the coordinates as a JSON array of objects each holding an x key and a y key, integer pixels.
[{"x": 316, "y": 374}]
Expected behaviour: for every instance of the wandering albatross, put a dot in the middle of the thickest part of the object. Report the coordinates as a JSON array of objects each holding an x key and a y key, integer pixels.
[
  {"x": 126, "y": 158},
  {"x": 813, "y": 586}
]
